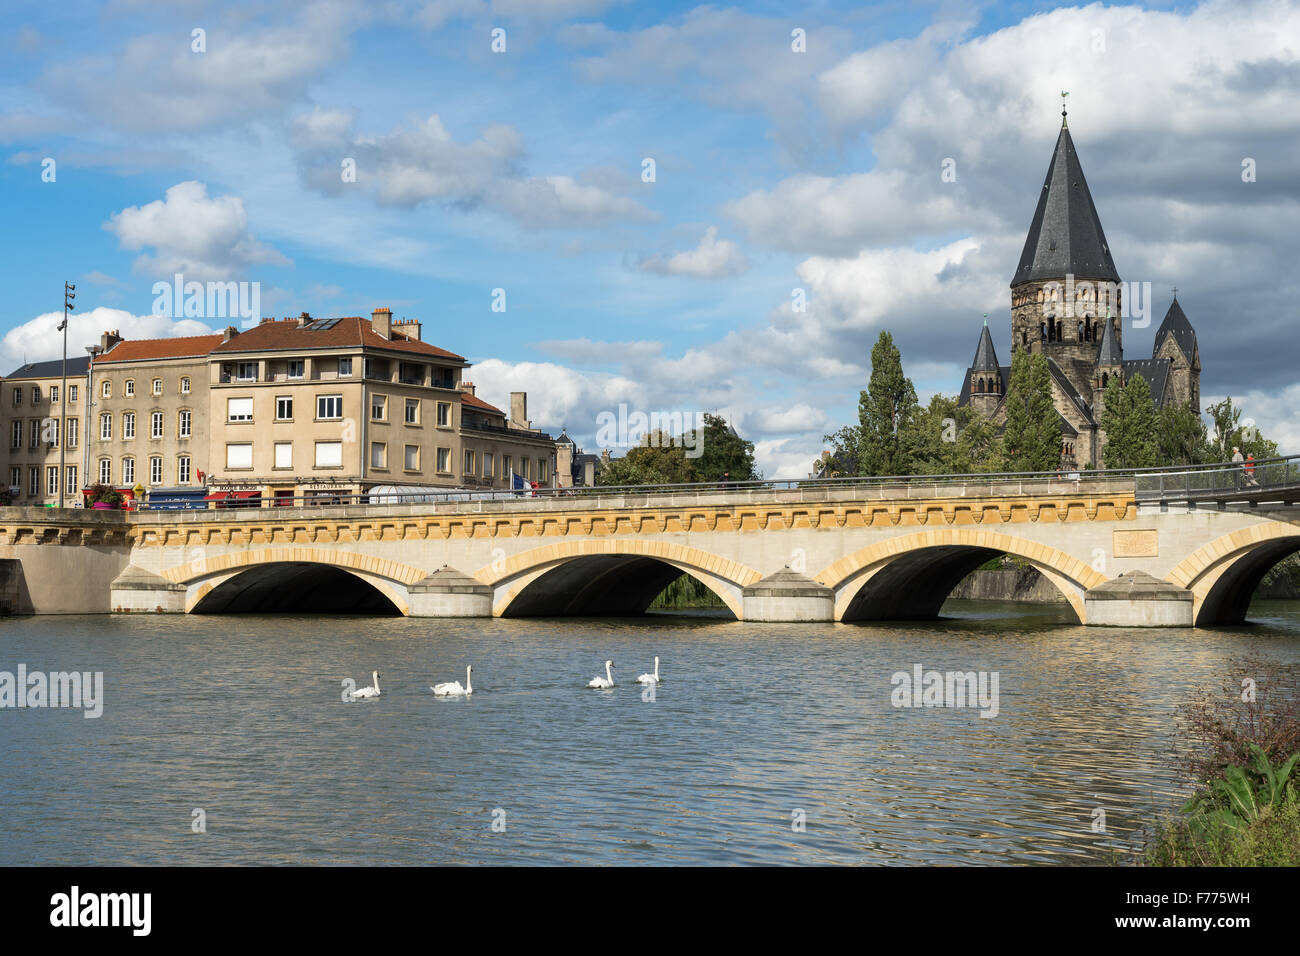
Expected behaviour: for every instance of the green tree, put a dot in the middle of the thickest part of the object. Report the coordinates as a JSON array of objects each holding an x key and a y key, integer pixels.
[
  {"x": 978, "y": 447},
  {"x": 1228, "y": 431},
  {"x": 1032, "y": 438},
  {"x": 1180, "y": 436},
  {"x": 842, "y": 459},
  {"x": 723, "y": 455},
  {"x": 883, "y": 413},
  {"x": 658, "y": 460},
  {"x": 1129, "y": 421},
  {"x": 930, "y": 436}
]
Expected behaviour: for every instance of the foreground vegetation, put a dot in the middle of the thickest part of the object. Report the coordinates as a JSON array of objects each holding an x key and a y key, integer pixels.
[{"x": 1242, "y": 747}]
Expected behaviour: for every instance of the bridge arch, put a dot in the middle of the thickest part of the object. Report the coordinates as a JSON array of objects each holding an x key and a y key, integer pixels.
[
  {"x": 606, "y": 576},
  {"x": 211, "y": 582},
  {"x": 911, "y": 575},
  {"x": 1224, "y": 574}
]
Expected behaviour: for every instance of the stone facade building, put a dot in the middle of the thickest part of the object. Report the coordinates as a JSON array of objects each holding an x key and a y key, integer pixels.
[
  {"x": 288, "y": 409},
  {"x": 1067, "y": 304}
]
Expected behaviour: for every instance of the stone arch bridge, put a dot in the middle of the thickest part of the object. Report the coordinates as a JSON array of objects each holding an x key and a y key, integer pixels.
[{"x": 818, "y": 552}]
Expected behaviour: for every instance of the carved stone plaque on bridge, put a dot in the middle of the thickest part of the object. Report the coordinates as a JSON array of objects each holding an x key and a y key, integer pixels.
[{"x": 1135, "y": 543}]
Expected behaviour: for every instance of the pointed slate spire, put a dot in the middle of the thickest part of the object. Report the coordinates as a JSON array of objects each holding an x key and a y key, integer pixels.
[
  {"x": 986, "y": 359},
  {"x": 1176, "y": 324},
  {"x": 1110, "y": 352},
  {"x": 1065, "y": 236}
]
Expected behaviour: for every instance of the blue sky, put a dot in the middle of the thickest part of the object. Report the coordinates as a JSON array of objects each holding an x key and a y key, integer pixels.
[{"x": 774, "y": 170}]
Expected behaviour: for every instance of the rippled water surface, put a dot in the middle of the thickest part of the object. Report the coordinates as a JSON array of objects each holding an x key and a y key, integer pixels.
[{"x": 242, "y": 717}]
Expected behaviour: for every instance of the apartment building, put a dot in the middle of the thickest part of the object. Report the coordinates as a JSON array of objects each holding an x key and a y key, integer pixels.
[
  {"x": 311, "y": 407},
  {"x": 43, "y": 424},
  {"x": 149, "y": 411},
  {"x": 290, "y": 408}
]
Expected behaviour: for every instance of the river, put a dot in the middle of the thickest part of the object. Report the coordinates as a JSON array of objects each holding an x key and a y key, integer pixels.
[{"x": 766, "y": 743}]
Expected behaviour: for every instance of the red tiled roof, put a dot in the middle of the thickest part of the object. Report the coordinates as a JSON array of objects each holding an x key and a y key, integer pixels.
[
  {"x": 473, "y": 401},
  {"x": 144, "y": 350},
  {"x": 349, "y": 331}
]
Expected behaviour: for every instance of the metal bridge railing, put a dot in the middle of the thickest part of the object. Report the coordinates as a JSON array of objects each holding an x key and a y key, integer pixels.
[
  {"x": 1222, "y": 479},
  {"x": 1250, "y": 479}
]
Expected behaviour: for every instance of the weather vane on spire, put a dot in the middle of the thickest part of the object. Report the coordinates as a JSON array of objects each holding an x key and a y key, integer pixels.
[{"x": 1064, "y": 94}]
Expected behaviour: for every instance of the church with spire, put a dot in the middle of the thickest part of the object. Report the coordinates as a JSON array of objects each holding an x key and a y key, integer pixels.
[{"x": 1066, "y": 303}]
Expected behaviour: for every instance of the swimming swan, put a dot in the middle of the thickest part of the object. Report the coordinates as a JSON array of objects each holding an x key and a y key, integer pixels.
[
  {"x": 453, "y": 688},
  {"x": 368, "y": 692},
  {"x": 603, "y": 682},
  {"x": 650, "y": 678}
]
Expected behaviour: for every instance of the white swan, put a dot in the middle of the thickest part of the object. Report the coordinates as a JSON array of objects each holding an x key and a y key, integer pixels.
[
  {"x": 367, "y": 692},
  {"x": 603, "y": 682},
  {"x": 650, "y": 678},
  {"x": 453, "y": 689}
]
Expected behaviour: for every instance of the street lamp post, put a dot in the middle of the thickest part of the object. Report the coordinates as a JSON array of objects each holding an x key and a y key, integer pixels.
[
  {"x": 94, "y": 351},
  {"x": 69, "y": 293}
]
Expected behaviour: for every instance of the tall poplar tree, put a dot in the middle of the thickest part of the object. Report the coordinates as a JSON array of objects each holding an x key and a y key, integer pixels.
[
  {"x": 884, "y": 411},
  {"x": 1032, "y": 439},
  {"x": 1129, "y": 421}
]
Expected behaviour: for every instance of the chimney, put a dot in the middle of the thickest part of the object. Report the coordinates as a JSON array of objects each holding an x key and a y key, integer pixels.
[
  {"x": 381, "y": 320},
  {"x": 303, "y": 320},
  {"x": 465, "y": 386},
  {"x": 229, "y": 334},
  {"x": 589, "y": 473},
  {"x": 604, "y": 457},
  {"x": 408, "y": 327},
  {"x": 108, "y": 340},
  {"x": 519, "y": 410}
]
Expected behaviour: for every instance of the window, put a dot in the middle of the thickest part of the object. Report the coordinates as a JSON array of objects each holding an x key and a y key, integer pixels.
[
  {"x": 507, "y": 464},
  {"x": 157, "y": 386},
  {"x": 412, "y": 461},
  {"x": 52, "y": 432},
  {"x": 444, "y": 414},
  {"x": 185, "y": 385},
  {"x": 412, "y": 411},
  {"x": 378, "y": 408},
  {"x": 541, "y": 469},
  {"x": 36, "y": 394},
  {"x": 72, "y": 393},
  {"x": 106, "y": 389},
  {"x": 239, "y": 409},
  {"x": 18, "y": 397},
  {"x": 33, "y": 481},
  {"x": 16, "y": 480},
  {"x": 444, "y": 459},
  {"x": 239, "y": 455},
  {"x": 284, "y": 454},
  {"x": 329, "y": 454},
  {"x": 329, "y": 407},
  {"x": 378, "y": 455},
  {"x": 284, "y": 408},
  {"x": 523, "y": 467},
  {"x": 489, "y": 465},
  {"x": 469, "y": 462},
  {"x": 155, "y": 470},
  {"x": 72, "y": 427},
  {"x": 54, "y": 394},
  {"x": 156, "y": 425},
  {"x": 246, "y": 372},
  {"x": 17, "y": 432},
  {"x": 345, "y": 367},
  {"x": 128, "y": 471},
  {"x": 34, "y": 432},
  {"x": 70, "y": 480},
  {"x": 52, "y": 480},
  {"x": 296, "y": 368},
  {"x": 184, "y": 421},
  {"x": 183, "y": 470},
  {"x": 105, "y": 471},
  {"x": 128, "y": 425},
  {"x": 128, "y": 387},
  {"x": 105, "y": 427}
]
